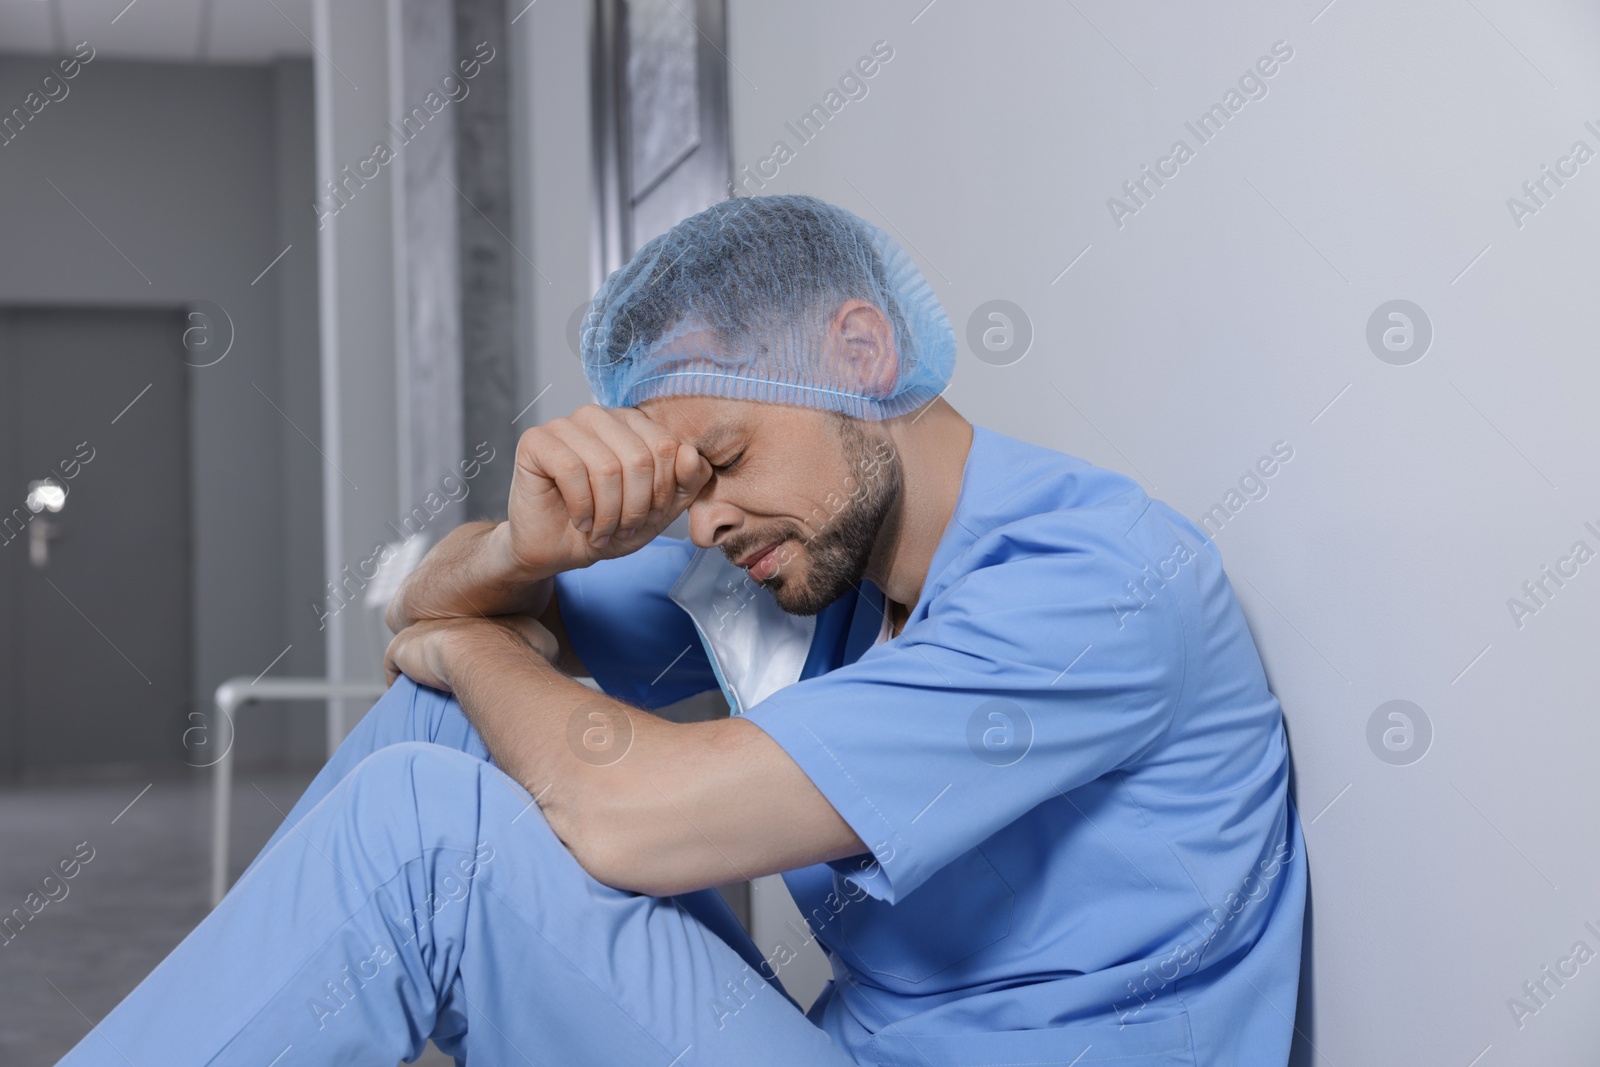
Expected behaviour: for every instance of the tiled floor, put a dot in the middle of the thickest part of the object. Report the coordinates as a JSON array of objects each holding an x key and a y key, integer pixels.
[{"x": 125, "y": 909}]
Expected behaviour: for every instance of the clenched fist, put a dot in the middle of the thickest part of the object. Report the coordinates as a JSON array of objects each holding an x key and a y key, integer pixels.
[{"x": 597, "y": 484}]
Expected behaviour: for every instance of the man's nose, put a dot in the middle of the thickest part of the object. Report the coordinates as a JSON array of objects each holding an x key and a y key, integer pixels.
[{"x": 712, "y": 522}]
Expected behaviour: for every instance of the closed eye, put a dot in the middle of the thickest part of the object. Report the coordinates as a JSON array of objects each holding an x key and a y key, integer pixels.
[{"x": 728, "y": 466}]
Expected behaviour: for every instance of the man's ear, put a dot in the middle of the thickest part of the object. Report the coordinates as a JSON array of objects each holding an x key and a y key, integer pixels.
[{"x": 861, "y": 343}]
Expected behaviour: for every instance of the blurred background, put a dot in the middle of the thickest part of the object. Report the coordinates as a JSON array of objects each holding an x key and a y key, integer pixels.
[{"x": 281, "y": 282}]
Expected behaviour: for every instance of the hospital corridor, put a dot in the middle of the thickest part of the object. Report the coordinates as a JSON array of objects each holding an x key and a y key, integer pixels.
[{"x": 903, "y": 533}]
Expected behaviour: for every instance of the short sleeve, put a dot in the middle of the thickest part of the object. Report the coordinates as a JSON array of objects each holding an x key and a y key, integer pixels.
[
  {"x": 638, "y": 644},
  {"x": 1032, "y": 672}
]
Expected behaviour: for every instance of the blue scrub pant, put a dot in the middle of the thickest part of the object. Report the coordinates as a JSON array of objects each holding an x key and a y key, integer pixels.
[{"x": 416, "y": 892}]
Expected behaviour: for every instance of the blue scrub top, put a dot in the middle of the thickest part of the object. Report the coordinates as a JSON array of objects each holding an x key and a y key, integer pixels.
[{"x": 1068, "y": 767}]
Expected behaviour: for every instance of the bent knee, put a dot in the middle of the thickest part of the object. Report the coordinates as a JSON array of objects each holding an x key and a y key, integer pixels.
[
  {"x": 416, "y": 792},
  {"x": 404, "y": 762},
  {"x": 437, "y": 716},
  {"x": 429, "y": 778},
  {"x": 407, "y": 777}
]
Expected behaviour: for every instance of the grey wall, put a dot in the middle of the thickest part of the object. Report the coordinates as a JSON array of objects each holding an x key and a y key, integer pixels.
[
  {"x": 186, "y": 171},
  {"x": 1230, "y": 312}
]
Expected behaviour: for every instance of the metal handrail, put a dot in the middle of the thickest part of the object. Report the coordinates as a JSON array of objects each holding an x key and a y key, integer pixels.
[{"x": 238, "y": 693}]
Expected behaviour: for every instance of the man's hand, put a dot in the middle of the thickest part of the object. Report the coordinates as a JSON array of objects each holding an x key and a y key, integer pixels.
[
  {"x": 597, "y": 484},
  {"x": 428, "y": 652}
]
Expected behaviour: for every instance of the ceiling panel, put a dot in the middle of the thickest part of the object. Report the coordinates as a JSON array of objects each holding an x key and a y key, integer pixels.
[
  {"x": 224, "y": 31},
  {"x": 146, "y": 29}
]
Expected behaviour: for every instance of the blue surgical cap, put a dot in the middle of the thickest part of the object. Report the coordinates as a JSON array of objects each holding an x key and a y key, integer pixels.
[{"x": 736, "y": 302}]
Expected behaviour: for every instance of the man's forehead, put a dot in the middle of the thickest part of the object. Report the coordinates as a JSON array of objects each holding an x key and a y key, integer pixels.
[{"x": 704, "y": 422}]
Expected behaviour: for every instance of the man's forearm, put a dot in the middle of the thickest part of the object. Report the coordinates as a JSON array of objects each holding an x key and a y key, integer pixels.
[
  {"x": 548, "y": 732},
  {"x": 642, "y": 803},
  {"x": 470, "y": 572}
]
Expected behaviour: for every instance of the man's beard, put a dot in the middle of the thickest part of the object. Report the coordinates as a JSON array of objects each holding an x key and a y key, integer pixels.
[{"x": 839, "y": 553}]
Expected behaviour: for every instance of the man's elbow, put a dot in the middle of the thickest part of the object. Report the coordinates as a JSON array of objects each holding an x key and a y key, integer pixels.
[
  {"x": 637, "y": 848},
  {"x": 593, "y": 825},
  {"x": 618, "y": 859}
]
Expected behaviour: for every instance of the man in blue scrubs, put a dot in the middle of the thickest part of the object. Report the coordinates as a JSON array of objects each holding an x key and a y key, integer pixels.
[{"x": 995, "y": 714}]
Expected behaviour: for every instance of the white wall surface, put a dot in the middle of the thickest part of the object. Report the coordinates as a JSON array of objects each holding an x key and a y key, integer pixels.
[{"x": 1230, "y": 313}]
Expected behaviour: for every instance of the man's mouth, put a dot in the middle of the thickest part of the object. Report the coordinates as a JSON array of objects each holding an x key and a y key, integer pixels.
[{"x": 763, "y": 563}]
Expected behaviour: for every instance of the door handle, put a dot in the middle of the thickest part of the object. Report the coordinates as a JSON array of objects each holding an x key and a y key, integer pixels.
[{"x": 46, "y": 497}]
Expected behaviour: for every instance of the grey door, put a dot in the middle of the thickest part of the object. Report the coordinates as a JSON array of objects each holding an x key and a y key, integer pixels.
[{"x": 94, "y": 598}]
